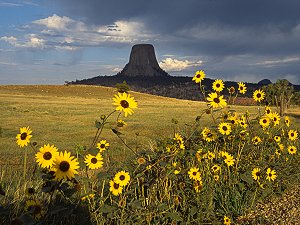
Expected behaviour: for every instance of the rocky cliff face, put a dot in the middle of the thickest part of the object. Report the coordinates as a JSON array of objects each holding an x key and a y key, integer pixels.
[{"x": 142, "y": 62}]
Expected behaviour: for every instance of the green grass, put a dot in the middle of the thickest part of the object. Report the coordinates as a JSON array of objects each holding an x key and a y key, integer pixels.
[{"x": 65, "y": 116}]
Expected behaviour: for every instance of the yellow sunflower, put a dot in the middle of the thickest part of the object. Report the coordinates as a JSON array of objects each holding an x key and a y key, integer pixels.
[
  {"x": 277, "y": 138},
  {"x": 216, "y": 177},
  {"x": 125, "y": 103},
  {"x": 115, "y": 188},
  {"x": 292, "y": 149},
  {"x": 256, "y": 173},
  {"x": 256, "y": 140},
  {"x": 229, "y": 160},
  {"x": 194, "y": 174},
  {"x": 293, "y": 135},
  {"x": 227, "y": 220},
  {"x": 287, "y": 121},
  {"x": 65, "y": 166},
  {"x": 218, "y": 85},
  {"x": 271, "y": 174},
  {"x": 242, "y": 87},
  {"x": 102, "y": 145},
  {"x": 243, "y": 122},
  {"x": 208, "y": 135},
  {"x": 216, "y": 101},
  {"x": 23, "y": 138},
  {"x": 264, "y": 121},
  {"x": 224, "y": 128},
  {"x": 268, "y": 110},
  {"x": 233, "y": 120},
  {"x": 275, "y": 118},
  {"x": 122, "y": 178},
  {"x": 121, "y": 123},
  {"x": 215, "y": 168},
  {"x": 198, "y": 185},
  {"x": 258, "y": 95},
  {"x": 46, "y": 156},
  {"x": 199, "y": 76},
  {"x": 35, "y": 209},
  {"x": 231, "y": 90},
  {"x": 210, "y": 155},
  {"x": 94, "y": 162}
]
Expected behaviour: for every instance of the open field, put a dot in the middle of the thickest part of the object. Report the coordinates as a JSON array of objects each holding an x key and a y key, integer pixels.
[{"x": 65, "y": 115}]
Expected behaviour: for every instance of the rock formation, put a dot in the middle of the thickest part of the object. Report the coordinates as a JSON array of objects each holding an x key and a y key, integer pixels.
[{"x": 142, "y": 62}]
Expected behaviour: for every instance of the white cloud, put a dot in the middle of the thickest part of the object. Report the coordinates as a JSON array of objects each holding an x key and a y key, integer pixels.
[
  {"x": 170, "y": 64},
  {"x": 55, "y": 22},
  {"x": 31, "y": 41},
  {"x": 271, "y": 63},
  {"x": 116, "y": 69}
]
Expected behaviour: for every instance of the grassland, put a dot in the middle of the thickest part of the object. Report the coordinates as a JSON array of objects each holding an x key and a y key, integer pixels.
[{"x": 65, "y": 115}]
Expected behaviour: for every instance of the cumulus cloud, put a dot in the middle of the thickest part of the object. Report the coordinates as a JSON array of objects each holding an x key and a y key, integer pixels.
[
  {"x": 55, "y": 22},
  {"x": 31, "y": 41},
  {"x": 170, "y": 64}
]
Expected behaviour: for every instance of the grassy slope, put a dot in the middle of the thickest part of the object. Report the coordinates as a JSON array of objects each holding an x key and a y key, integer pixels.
[{"x": 65, "y": 115}]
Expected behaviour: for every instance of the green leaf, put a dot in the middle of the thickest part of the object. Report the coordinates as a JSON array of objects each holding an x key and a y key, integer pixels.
[
  {"x": 107, "y": 208},
  {"x": 136, "y": 204},
  {"x": 193, "y": 210},
  {"x": 247, "y": 177},
  {"x": 162, "y": 207},
  {"x": 98, "y": 124},
  {"x": 94, "y": 151},
  {"x": 174, "y": 216}
]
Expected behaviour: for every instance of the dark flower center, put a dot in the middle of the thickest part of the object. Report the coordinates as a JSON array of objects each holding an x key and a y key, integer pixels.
[
  {"x": 94, "y": 160},
  {"x": 217, "y": 100},
  {"x": 268, "y": 111},
  {"x": 64, "y": 166},
  {"x": 258, "y": 95},
  {"x": 198, "y": 76},
  {"x": 292, "y": 134},
  {"x": 257, "y": 173},
  {"x": 265, "y": 121},
  {"x": 116, "y": 186},
  {"x": 194, "y": 173},
  {"x": 224, "y": 128},
  {"x": 30, "y": 191},
  {"x": 122, "y": 177},
  {"x": 102, "y": 146},
  {"x": 47, "y": 156},
  {"x": 218, "y": 85},
  {"x": 23, "y": 136},
  {"x": 124, "y": 104}
]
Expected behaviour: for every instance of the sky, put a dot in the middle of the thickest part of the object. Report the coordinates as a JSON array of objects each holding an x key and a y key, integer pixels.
[{"x": 50, "y": 42}]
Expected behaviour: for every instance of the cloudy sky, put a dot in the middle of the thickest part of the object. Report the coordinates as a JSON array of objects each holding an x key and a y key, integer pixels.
[{"x": 49, "y": 42}]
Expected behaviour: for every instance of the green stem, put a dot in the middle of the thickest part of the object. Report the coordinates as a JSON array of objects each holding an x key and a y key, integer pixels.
[{"x": 25, "y": 163}]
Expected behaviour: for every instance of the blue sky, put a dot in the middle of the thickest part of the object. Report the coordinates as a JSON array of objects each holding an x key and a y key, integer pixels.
[{"x": 49, "y": 42}]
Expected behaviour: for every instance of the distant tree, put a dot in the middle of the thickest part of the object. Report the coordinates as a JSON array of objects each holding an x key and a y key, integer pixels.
[
  {"x": 123, "y": 87},
  {"x": 279, "y": 94},
  {"x": 296, "y": 98}
]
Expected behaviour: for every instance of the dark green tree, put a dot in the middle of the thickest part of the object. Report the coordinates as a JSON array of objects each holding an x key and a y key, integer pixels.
[{"x": 123, "y": 87}]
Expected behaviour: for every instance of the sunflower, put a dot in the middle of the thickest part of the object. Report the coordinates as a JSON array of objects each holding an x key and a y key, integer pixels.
[
  {"x": 198, "y": 185},
  {"x": 227, "y": 221},
  {"x": 208, "y": 135},
  {"x": 194, "y": 174},
  {"x": 210, "y": 155},
  {"x": 242, "y": 87},
  {"x": 275, "y": 118},
  {"x": 177, "y": 171},
  {"x": 218, "y": 85},
  {"x": 215, "y": 168},
  {"x": 229, "y": 160},
  {"x": 141, "y": 160},
  {"x": 179, "y": 141},
  {"x": 125, "y": 103},
  {"x": 34, "y": 208},
  {"x": 256, "y": 173},
  {"x": 287, "y": 121},
  {"x": 256, "y": 140},
  {"x": 216, "y": 101},
  {"x": 243, "y": 122},
  {"x": 268, "y": 110},
  {"x": 94, "y": 162},
  {"x": 293, "y": 135},
  {"x": 216, "y": 177},
  {"x": 233, "y": 120},
  {"x": 224, "y": 128},
  {"x": 258, "y": 95},
  {"x": 121, "y": 123},
  {"x": 199, "y": 76},
  {"x": 277, "y": 138},
  {"x": 23, "y": 138},
  {"x": 65, "y": 166},
  {"x": 292, "y": 149},
  {"x": 30, "y": 191},
  {"x": 264, "y": 121},
  {"x": 231, "y": 90},
  {"x": 271, "y": 174},
  {"x": 281, "y": 146},
  {"x": 102, "y": 145},
  {"x": 46, "y": 156},
  {"x": 115, "y": 188},
  {"x": 122, "y": 178}
]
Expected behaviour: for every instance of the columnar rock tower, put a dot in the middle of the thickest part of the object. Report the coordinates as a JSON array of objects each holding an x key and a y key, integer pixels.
[{"x": 142, "y": 62}]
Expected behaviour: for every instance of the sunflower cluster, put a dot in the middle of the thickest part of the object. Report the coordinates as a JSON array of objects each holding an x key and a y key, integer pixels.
[{"x": 121, "y": 179}]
